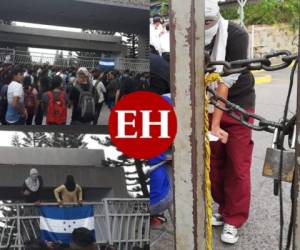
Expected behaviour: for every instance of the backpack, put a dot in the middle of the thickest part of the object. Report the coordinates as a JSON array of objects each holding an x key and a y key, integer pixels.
[
  {"x": 57, "y": 109},
  {"x": 86, "y": 103},
  {"x": 29, "y": 101},
  {"x": 3, "y": 103}
]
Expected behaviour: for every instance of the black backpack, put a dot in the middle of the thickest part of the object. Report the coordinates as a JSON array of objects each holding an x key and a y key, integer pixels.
[{"x": 86, "y": 103}]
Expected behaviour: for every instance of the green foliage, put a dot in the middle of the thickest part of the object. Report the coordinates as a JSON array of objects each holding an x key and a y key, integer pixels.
[{"x": 267, "y": 12}]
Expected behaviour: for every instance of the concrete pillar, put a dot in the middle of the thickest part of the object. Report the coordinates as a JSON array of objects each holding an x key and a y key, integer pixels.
[{"x": 188, "y": 91}]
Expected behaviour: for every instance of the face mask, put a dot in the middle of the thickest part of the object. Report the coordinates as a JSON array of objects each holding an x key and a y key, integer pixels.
[{"x": 210, "y": 33}]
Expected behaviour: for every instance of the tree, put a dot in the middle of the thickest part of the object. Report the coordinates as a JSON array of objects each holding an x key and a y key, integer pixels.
[
  {"x": 137, "y": 180},
  {"x": 62, "y": 140},
  {"x": 131, "y": 41},
  {"x": 267, "y": 12},
  {"x": 15, "y": 141},
  {"x": 35, "y": 139}
]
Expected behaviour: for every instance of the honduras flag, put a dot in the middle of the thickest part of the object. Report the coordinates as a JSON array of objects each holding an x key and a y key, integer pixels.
[
  {"x": 107, "y": 63},
  {"x": 58, "y": 223}
]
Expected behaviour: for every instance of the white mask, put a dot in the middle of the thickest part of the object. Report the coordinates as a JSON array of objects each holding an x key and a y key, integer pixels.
[{"x": 210, "y": 33}]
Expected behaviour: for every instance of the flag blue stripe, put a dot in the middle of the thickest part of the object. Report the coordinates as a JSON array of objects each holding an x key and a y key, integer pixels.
[
  {"x": 67, "y": 213},
  {"x": 55, "y": 237}
]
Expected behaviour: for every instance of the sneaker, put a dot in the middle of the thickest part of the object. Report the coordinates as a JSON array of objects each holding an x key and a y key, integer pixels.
[
  {"x": 217, "y": 220},
  {"x": 157, "y": 221},
  {"x": 229, "y": 234}
]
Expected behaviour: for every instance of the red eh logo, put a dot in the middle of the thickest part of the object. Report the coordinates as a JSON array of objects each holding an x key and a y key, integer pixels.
[{"x": 142, "y": 125}]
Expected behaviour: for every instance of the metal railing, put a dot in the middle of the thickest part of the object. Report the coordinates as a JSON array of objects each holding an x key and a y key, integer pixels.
[
  {"x": 7, "y": 55},
  {"x": 34, "y": 58},
  {"x": 124, "y": 223}
]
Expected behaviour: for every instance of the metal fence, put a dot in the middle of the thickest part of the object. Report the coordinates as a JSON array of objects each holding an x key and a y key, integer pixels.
[
  {"x": 124, "y": 223},
  {"x": 34, "y": 58}
]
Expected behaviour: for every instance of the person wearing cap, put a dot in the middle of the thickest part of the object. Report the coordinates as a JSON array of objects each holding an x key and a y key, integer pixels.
[
  {"x": 156, "y": 30},
  {"x": 16, "y": 113},
  {"x": 164, "y": 42},
  {"x": 83, "y": 83},
  {"x": 230, "y": 162},
  {"x": 32, "y": 186}
]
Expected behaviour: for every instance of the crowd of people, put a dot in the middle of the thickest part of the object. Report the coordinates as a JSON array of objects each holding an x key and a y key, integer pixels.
[{"x": 37, "y": 95}]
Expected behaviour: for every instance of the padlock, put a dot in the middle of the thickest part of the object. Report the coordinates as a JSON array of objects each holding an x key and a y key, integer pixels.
[{"x": 272, "y": 160}]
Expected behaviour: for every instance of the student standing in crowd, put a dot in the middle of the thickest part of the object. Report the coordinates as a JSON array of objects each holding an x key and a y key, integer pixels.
[
  {"x": 31, "y": 99},
  {"x": 101, "y": 90},
  {"x": 16, "y": 113},
  {"x": 230, "y": 162},
  {"x": 32, "y": 187},
  {"x": 113, "y": 89},
  {"x": 68, "y": 192},
  {"x": 164, "y": 42},
  {"x": 83, "y": 97},
  {"x": 55, "y": 103},
  {"x": 43, "y": 87}
]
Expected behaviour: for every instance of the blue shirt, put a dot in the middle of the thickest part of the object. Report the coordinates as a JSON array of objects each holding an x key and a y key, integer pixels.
[{"x": 160, "y": 184}]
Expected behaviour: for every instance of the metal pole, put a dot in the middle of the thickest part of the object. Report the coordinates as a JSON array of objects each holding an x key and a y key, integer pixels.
[
  {"x": 187, "y": 83},
  {"x": 296, "y": 238},
  {"x": 19, "y": 228}
]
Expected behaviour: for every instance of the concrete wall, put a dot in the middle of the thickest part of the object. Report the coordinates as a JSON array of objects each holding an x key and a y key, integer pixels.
[
  {"x": 54, "y": 164},
  {"x": 266, "y": 38},
  {"x": 51, "y": 156},
  {"x": 42, "y": 38}
]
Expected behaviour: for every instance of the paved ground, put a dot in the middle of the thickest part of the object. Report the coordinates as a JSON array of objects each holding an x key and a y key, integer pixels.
[{"x": 262, "y": 230}]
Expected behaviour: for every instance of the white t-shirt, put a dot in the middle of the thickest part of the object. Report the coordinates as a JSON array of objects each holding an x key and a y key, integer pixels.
[
  {"x": 164, "y": 41},
  {"x": 100, "y": 89},
  {"x": 14, "y": 89}
]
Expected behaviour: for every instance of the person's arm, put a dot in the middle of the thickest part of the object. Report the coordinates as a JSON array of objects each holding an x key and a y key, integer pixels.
[
  {"x": 79, "y": 193},
  {"x": 57, "y": 192},
  {"x": 117, "y": 95},
  {"x": 222, "y": 90},
  {"x": 24, "y": 190},
  {"x": 36, "y": 101},
  {"x": 102, "y": 87}
]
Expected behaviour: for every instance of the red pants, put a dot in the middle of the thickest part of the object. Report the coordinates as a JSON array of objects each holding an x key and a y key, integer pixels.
[{"x": 230, "y": 172}]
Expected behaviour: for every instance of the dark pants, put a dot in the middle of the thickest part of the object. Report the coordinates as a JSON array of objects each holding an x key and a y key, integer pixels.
[
  {"x": 98, "y": 111},
  {"x": 39, "y": 116},
  {"x": 230, "y": 172},
  {"x": 29, "y": 119}
]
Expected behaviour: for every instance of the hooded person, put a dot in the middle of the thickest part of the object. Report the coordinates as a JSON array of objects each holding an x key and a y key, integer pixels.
[
  {"x": 69, "y": 192},
  {"x": 84, "y": 97},
  {"x": 230, "y": 173},
  {"x": 32, "y": 187}
]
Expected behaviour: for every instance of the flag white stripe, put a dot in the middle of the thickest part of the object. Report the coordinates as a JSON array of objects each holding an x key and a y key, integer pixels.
[
  {"x": 107, "y": 63},
  {"x": 65, "y": 226}
]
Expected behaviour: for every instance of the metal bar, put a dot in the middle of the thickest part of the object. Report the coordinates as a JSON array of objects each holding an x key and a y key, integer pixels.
[
  {"x": 296, "y": 238},
  {"x": 108, "y": 221},
  {"x": 187, "y": 79},
  {"x": 19, "y": 228}
]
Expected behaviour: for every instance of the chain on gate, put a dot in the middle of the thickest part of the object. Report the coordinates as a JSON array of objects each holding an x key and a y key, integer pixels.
[{"x": 277, "y": 156}]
